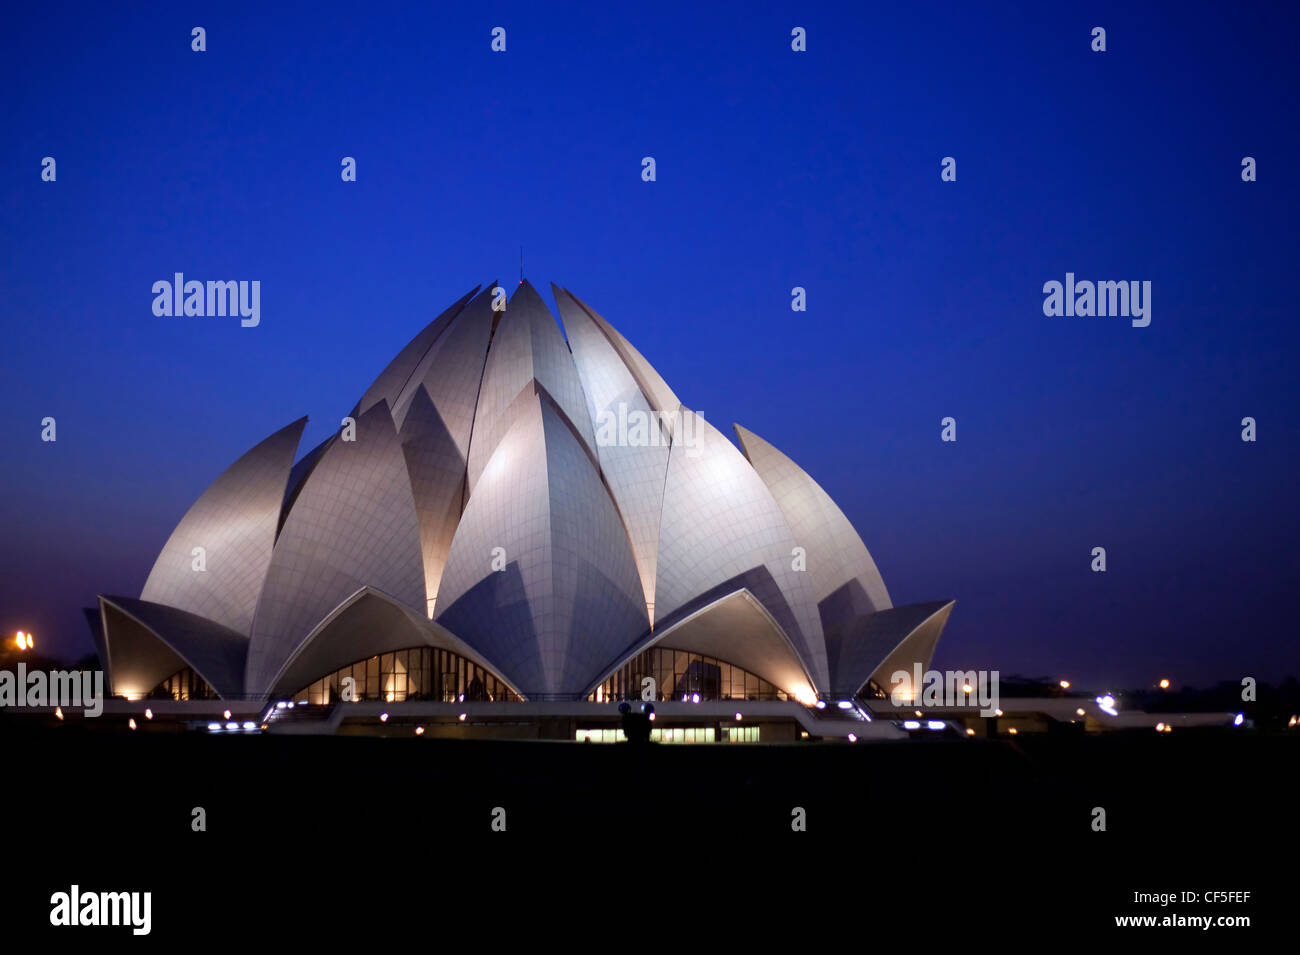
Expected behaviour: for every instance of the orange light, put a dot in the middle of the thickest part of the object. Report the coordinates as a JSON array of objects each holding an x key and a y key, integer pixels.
[
  {"x": 1164, "y": 684},
  {"x": 419, "y": 731},
  {"x": 1013, "y": 731},
  {"x": 148, "y": 714},
  {"x": 58, "y": 712},
  {"x": 1065, "y": 684},
  {"x": 970, "y": 732},
  {"x": 131, "y": 722},
  {"x": 1079, "y": 711}
]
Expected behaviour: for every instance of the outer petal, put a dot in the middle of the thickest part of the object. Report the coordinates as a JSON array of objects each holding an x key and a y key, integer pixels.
[
  {"x": 353, "y": 524},
  {"x": 234, "y": 521}
]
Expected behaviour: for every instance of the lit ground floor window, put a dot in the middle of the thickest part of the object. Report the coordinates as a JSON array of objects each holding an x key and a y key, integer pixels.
[
  {"x": 667, "y": 734},
  {"x": 740, "y": 734},
  {"x": 420, "y": 673}
]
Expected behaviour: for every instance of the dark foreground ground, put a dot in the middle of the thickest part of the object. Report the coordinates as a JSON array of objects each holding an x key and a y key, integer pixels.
[{"x": 388, "y": 843}]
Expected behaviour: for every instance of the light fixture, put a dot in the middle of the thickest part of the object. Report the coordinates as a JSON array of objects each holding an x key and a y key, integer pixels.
[
  {"x": 738, "y": 717},
  {"x": 1080, "y": 712},
  {"x": 462, "y": 717},
  {"x": 250, "y": 726},
  {"x": 383, "y": 717},
  {"x": 232, "y": 726},
  {"x": 997, "y": 712},
  {"x": 226, "y": 715},
  {"x": 1107, "y": 704},
  {"x": 1238, "y": 719},
  {"x": 419, "y": 731},
  {"x": 1013, "y": 731},
  {"x": 1164, "y": 684},
  {"x": 853, "y": 737},
  {"x": 845, "y": 704},
  {"x": 1065, "y": 684},
  {"x": 911, "y": 725},
  {"x": 935, "y": 724},
  {"x": 131, "y": 722},
  {"x": 970, "y": 732},
  {"x": 58, "y": 712},
  {"x": 148, "y": 713}
]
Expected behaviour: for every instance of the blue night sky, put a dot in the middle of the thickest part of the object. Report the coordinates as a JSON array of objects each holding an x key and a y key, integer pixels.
[{"x": 775, "y": 169}]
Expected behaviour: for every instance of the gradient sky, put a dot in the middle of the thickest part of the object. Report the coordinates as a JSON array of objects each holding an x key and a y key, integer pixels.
[{"x": 775, "y": 169}]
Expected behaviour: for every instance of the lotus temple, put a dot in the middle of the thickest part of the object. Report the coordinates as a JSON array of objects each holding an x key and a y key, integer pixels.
[{"x": 518, "y": 526}]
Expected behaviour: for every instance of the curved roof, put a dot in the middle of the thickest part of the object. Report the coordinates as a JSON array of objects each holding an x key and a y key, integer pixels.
[
  {"x": 563, "y": 595},
  {"x": 834, "y": 551},
  {"x": 393, "y": 378},
  {"x": 880, "y": 643},
  {"x": 148, "y": 642},
  {"x": 366, "y": 624},
  {"x": 630, "y": 444},
  {"x": 719, "y": 521},
  {"x": 526, "y": 347},
  {"x": 352, "y": 525},
  {"x": 624, "y": 520},
  {"x": 234, "y": 521}
]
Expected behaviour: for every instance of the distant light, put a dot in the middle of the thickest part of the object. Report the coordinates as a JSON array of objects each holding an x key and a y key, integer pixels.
[
  {"x": 1013, "y": 731},
  {"x": 214, "y": 727},
  {"x": 806, "y": 696},
  {"x": 970, "y": 732},
  {"x": 461, "y": 698},
  {"x": 1080, "y": 712},
  {"x": 226, "y": 715},
  {"x": 695, "y": 697},
  {"x": 23, "y": 640},
  {"x": 845, "y": 704},
  {"x": 148, "y": 713},
  {"x": 821, "y": 704},
  {"x": 1238, "y": 719},
  {"x": 935, "y": 724},
  {"x": 997, "y": 712},
  {"x": 1160, "y": 727},
  {"x": 966, "y": 688},
  {"x": 1291, "y": 721},
  {"x": 918, "y": 712},
  {"x": 390, "y": 698},
  {"x": 462, "y": 717},
  {"x": 232, "y": 726},
  {"x": 419, "y": 731},
  {"x": 853, "y": 737},
  {"x": 58, "y": 712},
  {"x": 131, "y": 723},
  {"x": 1164, "y": 684},
  {"x": 1107, "y": 704},
  {"x": 383, "y": 717},
  {"x": 1168, "y": 728},
  {"x": 738, "y": 717},
  {"x": 290, "y": 704},
  {"x": 911, "y": 725},
  {"x": 652, "y": 717},
  {"x": 250, "y": 725},
  {"x": 1065, "y": 684},
  {"x": 281, "y": 705}
]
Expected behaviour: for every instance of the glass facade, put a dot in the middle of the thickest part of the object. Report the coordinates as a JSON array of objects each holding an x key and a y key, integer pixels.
[
  {"x": 184, "y": 684},
  {"x": 680, "y": 674},
  {"x": 420, "y": 673}
]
